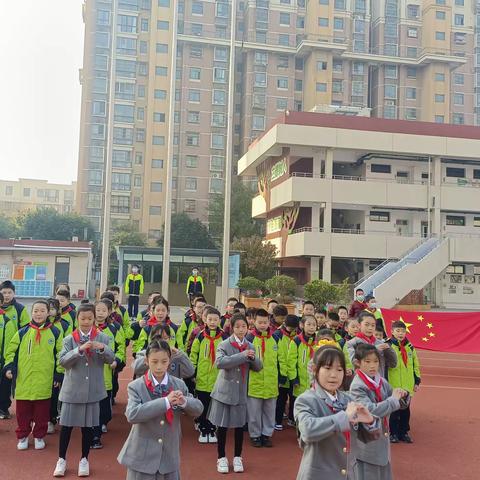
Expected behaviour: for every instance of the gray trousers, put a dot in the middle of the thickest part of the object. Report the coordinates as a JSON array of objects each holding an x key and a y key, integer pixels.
[
  {"x": 134, "y": 475},
  {"x": 261, "y": 416}
]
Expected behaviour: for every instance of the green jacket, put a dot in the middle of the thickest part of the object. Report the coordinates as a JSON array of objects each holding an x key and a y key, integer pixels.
[
  {"x": 404, "y": 376},
  {"x": 34, "y": 364},
  {"x": 206, "y": 370},
  {"x": 17, "y": 313},
  {"x": 142, "y": 341},
  {"x": 264, "y": 384},
  {"x": 70, "y": 315},
  {"x": 134, "y": 284},
  {"x": 7, "y": 331},
  {"x": 378, "y": 317},
  {"x": 117, "y": 343},
  {"x": 283, "y": 340},
  {"x": 123, "y": 312},
  {"x": 185, "y": 330},
  {"x": 297, "y": 359}
]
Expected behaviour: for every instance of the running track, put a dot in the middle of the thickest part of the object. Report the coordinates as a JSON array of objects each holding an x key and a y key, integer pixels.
[{"x": 445, "y": 428}]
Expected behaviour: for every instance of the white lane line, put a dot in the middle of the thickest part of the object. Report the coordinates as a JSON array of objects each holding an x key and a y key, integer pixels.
[
  {"x": 448, "y": 376},
  {"x": 450, "y": 387}
]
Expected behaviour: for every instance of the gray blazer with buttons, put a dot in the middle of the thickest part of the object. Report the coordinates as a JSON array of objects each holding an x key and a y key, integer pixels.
[
  {"x": 180, "y": 365},
  {"x": 325, "y": 454},
  {"x": 84, "y": 379},
  {"x": 153, "y": 445},
  {"x": 230, "y": 387},
  {"x": 377, "y": 452}
]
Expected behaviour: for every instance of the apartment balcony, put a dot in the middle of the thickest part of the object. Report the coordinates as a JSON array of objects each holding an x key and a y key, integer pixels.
[{"x": 306, "y": 43}]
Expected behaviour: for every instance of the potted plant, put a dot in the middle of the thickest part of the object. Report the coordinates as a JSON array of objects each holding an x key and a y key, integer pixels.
[
  {"x": 322, "y": 293},
  {"x": 251, "y": 291},
  {"x": 282, "y": 289}
]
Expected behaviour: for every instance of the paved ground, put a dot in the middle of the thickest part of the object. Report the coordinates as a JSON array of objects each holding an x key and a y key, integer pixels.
[{"x": 445, "y": 427}]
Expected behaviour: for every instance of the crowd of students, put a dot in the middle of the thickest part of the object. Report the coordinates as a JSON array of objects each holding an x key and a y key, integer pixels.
[{"x": 329, "y": 372}]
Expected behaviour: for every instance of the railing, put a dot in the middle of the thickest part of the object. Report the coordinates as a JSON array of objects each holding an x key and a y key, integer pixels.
[
  {"x": 307, "y": 229},
  {"x": 374, "y": 271},
  {"x": 307, "y": 175}
]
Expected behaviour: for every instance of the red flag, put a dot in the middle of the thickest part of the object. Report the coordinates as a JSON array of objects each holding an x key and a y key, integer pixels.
[{"x": 439, "y": 331}]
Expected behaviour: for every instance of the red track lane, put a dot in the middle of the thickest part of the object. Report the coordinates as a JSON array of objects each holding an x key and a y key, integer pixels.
[{"x": 445, "y": 428}]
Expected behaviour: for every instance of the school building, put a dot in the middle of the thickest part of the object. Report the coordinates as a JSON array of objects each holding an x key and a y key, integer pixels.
[
  {"x": 36, "y": 267},
  {"x": 392, "y": 205}
]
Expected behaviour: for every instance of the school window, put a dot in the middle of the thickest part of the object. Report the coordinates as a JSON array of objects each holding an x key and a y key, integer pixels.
[
  {"x": 161, "y": 71},
  {"x": 191, "y": 184},
  {"x": 322, "y": 22},
  {"x": 194, "y": 96},
  {"x": 455, "y": 172},
  {"x": 439, "y": 98},
  {"x": 155, "y": 186},
  {"x": 459, "y": 20},
  {"x": 216, "y": 163},
  {"x": 411, "y": 93},
  {"x": 218, "y": 141},
  {"x": 458, "y": 99},
  {"x": 218, "y": 119},
  {"x": 220, "y": 75},
  {"x": 160, "y": 94},
  {"x": 456, "y": 220},
  {"x": 285, "y": 19},
  {"x": 190, "y": 206},
  {"x": 156, "y": 163},
  {"x": 379, "y": 216},
  {"x": 159, "y": 117},
  {"x": 193, "y": 117},
  {"x": 195, "y": 74},
  {"x": 95, "y": 177},
  {"x": 219, "y": 97},
  {"x": 162, "y": 25},
  {"x": 338, "y": 23},
  {"x": 380, "y": 168},
  {"x": 282, "y": 83},
  {"x": 321, "y": 87},
  {"x": 193, "y": 139},
  {"x": 121, "y": 181},
  {"x": 122, "y": 158}
]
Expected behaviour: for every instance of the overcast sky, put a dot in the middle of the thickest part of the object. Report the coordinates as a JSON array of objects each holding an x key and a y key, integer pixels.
[{"x": 41, "y": 51}]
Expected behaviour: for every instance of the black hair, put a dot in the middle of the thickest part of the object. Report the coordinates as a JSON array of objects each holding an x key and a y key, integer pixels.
[
  {"x": 64, "y": 293},
  {"x": 359, "y": 290},
  {"x": 113, "y": 288},
  {"x": 106, "y": 301},
  {"x": 291, "y": 321},
  {"x": 350, "y": 320},
  {"x": 251, "y": 312},
  {"x": 272, "y": 301},
  {"x": 62, "y": 286},
  {"x": 280, "y": 311},
  {"x": 108, "y": 295},
  {"x": 261, "y": 312},
  {"x": 369, "y": 297},
  {"x": 237, "y": 317},
  {"x": 326, "y": 356},
  {"x": 154, "y": 293},
  {"x": 365, "y": 314},
  {"x": 398, "y": 324},
  {"x": 308, "y": 302},
  {"x": 83, "y": 301},
  {"x": 363, "y": 350},
  {"x": 211, "y": 311},
  {"x": 231, "y": 299},
  {"x": 199, "y": 299},
  {"x": 41, "y": 302},
  {"x": 158, "y": 329},
  {"x": 333, "y": 316},
  {"x": 160, "y": 301},
  {"x": 326, "y": 332},
  {"x": 1, "y": 298},
  {"x": 321, "y": 310},
  {"x": 7, "y": 284},
  {"x": 342, "y": 307},
  {"x": 54, "y": 303},
  {"x": 86, "y": 307},
  {"x": 240, "y": 305},
  {"x": 158, "y": 346},
  {"x": 308, "y": 317}
]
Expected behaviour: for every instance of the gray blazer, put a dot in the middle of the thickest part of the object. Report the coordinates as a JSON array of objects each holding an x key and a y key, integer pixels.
[
  {"x": 321, "y": 437},
  {"x": 84, "y": 379},
  {"x": 388, "y": 358},
  {"x": 230, "y": 387},
  {"x": 377, "y": 452},
  {"x": 180, "y": 365},
  {"x": 153, "y": 445}
]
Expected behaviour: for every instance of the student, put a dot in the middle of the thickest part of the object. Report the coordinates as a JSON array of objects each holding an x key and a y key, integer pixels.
[
  {"x": 342, "y": 315},
  {"x": 203, "y": 356},
  {"x": 103, "y": 312},
  {"x": 160, "y": 316},
  {"x": 333, "y": 323},
  {"x": 195, "y": 285},
  {"x": 270, "y": 306},
  {"x": 83, "y": 357},
  {"x": 31, "y": 358},
  {"x": 66, "y": 286},
  {"x": 250, "y": 314},
  {"x": 352, "y": 328},
  {"x": 121, "y": 311},
  {"x": 321, "y": 318},
  {"x": 191, "y": 311},
  {"x": 14, "y": 310},
  {"x": 134, "y": 288},
  {"x": 300, "y": 352},
  {"x": 377, "y": 313},
  {"x": 67, "y": 312},
  {"x": 406, "y": 375},
  {"x": 156, "y": 403},
  {"x": 372, "y": 390},
  {"x": 379, "y": 333},
  {"x": 185, "y": 329},
  {"x": 240, "y": 308},
  {"x": 366, "y": 334},
  {"x": 284, "y": 335},
  {"x": 180, "y": 364},
  {"x": 358, "y": 304},
  {"x": 329, "y": 423},
  {"x": 235, "y": 357},
  {"x": 327, "y": 337},
  {"x": 8, "y": 329},
  {"x": 308, "y": 308},
  {"x": 278, "y": 316},
  {"x": 225, "y": 320},
  {"x": 199, "y": 328},
  {"x": 143, "y": 317},
  {"x": 263, "y": 385}
]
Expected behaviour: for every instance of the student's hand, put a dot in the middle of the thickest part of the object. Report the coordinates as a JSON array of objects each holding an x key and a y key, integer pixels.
[
  {"x": 351, "y": 412},
  {"x": 416, "y": 388},
  {"x": 383, "y": 346},
  {"x": 85, "y": 346},
  {"x": 57, "y": 384},
  {"x": 9, "y": 374},
  {"x": 174, "y": 350},
  {"x": 98, "y": 346},
  {"x": 349, "y": 372},
  {"x": 250, "y": 354},
  {"x": 113, "y": 365},
  {"x": 363, "y": 414},
  {"x": 142, "y": 322},
  {"x": 181, "y": 398},
  {"x": 399, "y": 393}
]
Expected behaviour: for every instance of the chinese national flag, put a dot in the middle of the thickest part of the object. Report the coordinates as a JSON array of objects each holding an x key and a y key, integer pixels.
[{"x": 438, "y": 331}]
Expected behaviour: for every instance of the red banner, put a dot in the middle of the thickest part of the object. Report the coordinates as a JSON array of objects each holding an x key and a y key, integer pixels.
[{"x": 439, "y": 331}]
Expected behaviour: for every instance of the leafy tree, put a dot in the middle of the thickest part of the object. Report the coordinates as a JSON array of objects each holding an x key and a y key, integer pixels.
[
  {"x": 282, "y": 288},
  {"x": 257, "y": 258},
  {"x": 126, "y": 234},
  {"x": 242, "y": 224},
  {"x": 187, "y": 232},
  {"x": 321, "y": 292},
  {"x": 8, "y": 227},
  {"x": 251, "y": 286}
]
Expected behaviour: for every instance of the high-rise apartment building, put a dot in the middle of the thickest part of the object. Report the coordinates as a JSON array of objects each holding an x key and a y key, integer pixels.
[{"x": 396, "y": 59}]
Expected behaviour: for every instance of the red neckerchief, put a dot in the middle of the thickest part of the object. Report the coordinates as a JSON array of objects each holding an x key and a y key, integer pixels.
[
  {"x": 345, "y": 434},
  {"x": 2, "y": 311},
  {"x": 274, "y": 326},
  {"x": 44, "y": 326},
  {"x": 93, "y": 334},
  {"x": 151, "y": 388},
  {"x": 306, "y": 343},
  {"x": 262, "y": 337},
  {"x": 103, "y": 326},
  {"x": 66, "y": 309},
  {"x": 212, "y": 342},
  {"x": 241, "y": 348},
  {"x": 371, "y": 340},
  {"x": 403, "y": 351},
  {"x": 227, "y": 316},
  {"x": 373, "y": 388},
  {"x": 286, "y": 333}
]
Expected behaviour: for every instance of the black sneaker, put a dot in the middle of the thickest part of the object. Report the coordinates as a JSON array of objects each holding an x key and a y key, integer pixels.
[
  {"x": 256, "y": 442},
  {"x": 394, "y": 439},
  {"x": 406, "y": 438},
  {"x": 96, "y": 444},
  {"x": 5, "y": 415},
  {"x": 266, "y": 442}
]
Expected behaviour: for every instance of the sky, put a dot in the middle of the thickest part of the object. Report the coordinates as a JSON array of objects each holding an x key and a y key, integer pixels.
[{"x": 41, "y": 52}]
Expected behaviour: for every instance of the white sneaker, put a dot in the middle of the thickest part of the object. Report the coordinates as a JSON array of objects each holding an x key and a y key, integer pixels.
[
  {"x": 237, "y": 464},
  {"x": 202, "y": 438},
  {"x": 222, "y": 465},
  {"x": 104, "y": 429},
  {"x": 51, "y": 428},
  {"x": 39, "y": 444},
  {"x": 60, "y": 468},
  {"x": 212, "y": 438},
  {"x": 83, "y": 468},
  {"x": 22, "y": 444}
]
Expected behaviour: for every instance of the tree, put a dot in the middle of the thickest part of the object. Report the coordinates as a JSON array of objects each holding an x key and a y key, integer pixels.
[
  {"x": 257, "y": 258},
  {"x": 242, "y": 224},
  {"x": 282, "y": 288},
  {"x": 8, "y": 227},
  {"x": 187, "y": 232},
  {"x": 126, "y": 234},
  {"x": 321, "y": 292}
]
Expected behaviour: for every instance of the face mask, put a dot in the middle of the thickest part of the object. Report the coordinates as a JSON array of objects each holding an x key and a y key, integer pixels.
[
  {"x": 373, "y": 305},
  {"x": 195, "y": 273},
  {"x": 134, "y": 270},
  {"x": 360, "y": 298}
]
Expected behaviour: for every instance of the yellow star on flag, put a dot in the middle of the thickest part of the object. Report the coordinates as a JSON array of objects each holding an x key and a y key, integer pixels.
[
  {"x": 420, "y": 317},
  {"x": 430, "y": 325},
  {"x": 425, "y": 339},
  {"x": 431, "y": 334},
  {"x": 407, "y": 325}
]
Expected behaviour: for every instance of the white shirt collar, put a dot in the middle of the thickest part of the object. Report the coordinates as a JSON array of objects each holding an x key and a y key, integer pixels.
[
  {"x": 87, "y": 334},
  {"x": 163, "y": 382},
  {"x": 333, "y": 398},
  {"x": 376, "y": 381},
  {"x": 240, "y": 342}
]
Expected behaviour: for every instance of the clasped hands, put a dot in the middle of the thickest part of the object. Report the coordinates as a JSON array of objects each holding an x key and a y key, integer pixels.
[
  {"x": 358, "y": 413},
  {"x": 176, "y": 398}
]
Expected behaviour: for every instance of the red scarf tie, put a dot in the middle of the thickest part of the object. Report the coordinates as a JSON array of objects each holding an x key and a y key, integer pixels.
[
  {"x": 371, "y": 340},
  {"x": 263, "y": 338},
  {"x": 39, "y": 328},
  {"x": 377, "y": 390},
  {"x": 151, "y": 388},
  {"x": 241, "y": 348},
  {"x": 346, "y": 434},
  {"x": 289, "y": 335},
  {"x": 308, "y": 344},
  {"x": 77, "y": 336},
  {"x": 403, "y": 351},
  {"x": 103, "y": 326},
  {"x": 212, "y": 343}
]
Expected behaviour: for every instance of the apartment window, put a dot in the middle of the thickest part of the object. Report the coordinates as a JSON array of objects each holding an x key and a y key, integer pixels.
[
  {"x": 100, "y": 85},
  {"x": 358, "y": 68},
  {"x": 323, "y": 2},
  {"x": 220, "y": 31},
  {"x": 190, "y": 206},
  {"x": 220, "y": 75},
  {"x": 322, "y": 22},
  {"x": 456, "y": 220},
  {"x": 195, "y": 73},
  {"x": 476, "y": 174},
  {"x": 282, "y": 61},
  {"x": 194, "y": 96},
  {"x": 94, "y": 200},
  {"x": 412, "y": 33},
  {"x": 98, "y": 131},
  {"x": 260, "y": 80},
  {"x": 103, "y": 17},
  {"x": 156, "y": 163},
  {"x": 440, "y": 15},
  {"x": 357, "y": 88},
  {"x": 411, "y": 93},
  {"x": 439, "y": 98},
  {"x": 216, "y": 163},
  {"x": 439, "y": 35},
  {"x": 121, "y": 181},
  {"x": 136, "y": 203},
  {"x": 159, "y": 117},
  {"x": 162, "y": 25},
  {"x": 155, "y": 210},
  {"x": 196, "y": 51},
  {"x": 300, "y": 21},
  {"x": 298, "y": 85},
  {"x": 140, "y": 134},
  {"x": 411, "y": 72},
  {"x": 219, "y": 97},
  {"x": 162, "y": 48},
  {"x": 321, "y": 65},
  {"x": 439, "y": 119},
  {"x": 99, "y": 108},
  {"x": 191, "y": 184},
  {"x": 160, "y": 94},
  {"x": 476, "y": 223},
  {"x": 127, "y": 23},
  {"x": 458, "y": 78},
  {"x": 197, "y": 8},
  {"x": 285, "y": 19},
  {"x": 125, "y": 68},
  {"x": 193, "y": 117},
  {"x": 218, "y": 140},
  {"x": 261, "y": 58},
  {"x": 120, "y": 204},
  {"x": 455, "y": 172},
  {"x": 458, "y": 99},
  {"x": 101, "y": 62},
  {"x": 282, "y": 83},
  {"x": 391, "y": 71},
  {"x": 459, "y": 38},
  {"x": 221, "y": 10},
  {"x": 339, "y": 4},
  {"x": 440, "y": 2},
  {"x": 218, "y": 119},
  {"x": 220, "y": 53},
  {"x": 161, "y": 71},
  {"x": 459, "y": 269},
  {"x": 338, "y": 23},
  {"x": 96, "y": 154},
  {"x": 379, "y": 216},
  {"x": 138, "y": 158},
  {"x": 284, "y": 39},
  {"x": 95, "y": 177},
  {"x": 390, "y": 91},
  {"x": 197, "y": 29},
  {"x": 412, "y": 52},
  {"x": 26, "y": 192},
  {"x": 158, "y": 140},
  {"x": 258, "y": 122},
  {"x": 141, "y": 91},
  {"x": 337, "y": 86},
  {"x": 439, "y": 77},
  {"x": 124, "y": 113},
  {"x": 321, "y": 87},
  {"x": 143, "y": 69},
  {"x": 459, "y": 20},
  {"x": 461, "y": 3},
  {"x": 102, "y": 40},
  {"x": 282, "y": 103},
  {"x": 193, "y": 139},
  {"x": 144, "y": 24},
  {"x": 411, "y": 114},
  {"x": 216, "y": 185},
  {"x": 389, "y": 111},
  {"x": 164, "y": 3},
  {"x": 380, "y": 168},
  {"x": 191, "y": 161},
  {"x": 9, "y": 188},
  {"x": 337, "y": 66},
  {"x": 412, "y": 11},
  {"x": 155, "y": 186},
  {"x": 124, "y": 91},
  {"x": 458, "y": 119},
  {"x": 175, "y": 161},
  {"x": 122, "y": 158}
]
